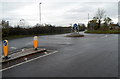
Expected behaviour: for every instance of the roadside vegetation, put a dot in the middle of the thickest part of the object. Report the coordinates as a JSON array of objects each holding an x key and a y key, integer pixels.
[
  {"x": 104, "y": 32},
  {"x": 9, "y": 32},
  {"x": 101, "y": 24}
]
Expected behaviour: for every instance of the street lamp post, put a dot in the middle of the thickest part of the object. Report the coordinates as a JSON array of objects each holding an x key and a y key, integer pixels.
[
  {"x": 40, "y": 11},
  {"x": 88, "y": 17}
]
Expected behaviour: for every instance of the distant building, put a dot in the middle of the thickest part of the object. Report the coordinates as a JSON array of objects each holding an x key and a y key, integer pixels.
[
  {"x": 114, "y": 26},
  {"x": 92, "y": 25}
]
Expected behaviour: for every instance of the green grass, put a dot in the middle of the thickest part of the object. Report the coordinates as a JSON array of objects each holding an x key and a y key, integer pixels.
[
  {"x": 104, "y": 32},
  {"x": 15, "y": 37},
  {"x": 22, "y": 36}
]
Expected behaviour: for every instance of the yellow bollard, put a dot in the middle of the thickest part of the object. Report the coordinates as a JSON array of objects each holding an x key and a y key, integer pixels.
[
  {"x": 35, "y": 42},
  {"x": 5, "y": 48}
]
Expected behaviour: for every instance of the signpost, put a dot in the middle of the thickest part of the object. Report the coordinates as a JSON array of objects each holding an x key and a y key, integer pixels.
[
  {"x": 35, "y": 42},
  {"x": 76, "y": 31},
  {"x": 75, "y": 28},
  {"x": 5, "y": 48},
  {"x": 75, "y": 25}
]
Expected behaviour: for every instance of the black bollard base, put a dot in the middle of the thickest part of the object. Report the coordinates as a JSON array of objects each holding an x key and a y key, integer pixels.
[
  {"x": 35, "y": 48},
  {"x": 6, "y": 57}
]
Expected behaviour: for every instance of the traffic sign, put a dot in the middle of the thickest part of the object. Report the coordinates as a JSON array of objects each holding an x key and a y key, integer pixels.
[
  {"x": 5, "y": 48},
  {"x": 5, "y": 42},
  {"x": 75, "y": 25}
]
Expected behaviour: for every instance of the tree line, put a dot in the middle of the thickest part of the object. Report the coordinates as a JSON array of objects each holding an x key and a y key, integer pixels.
[
  {"x": 8, "y": 30},
  {"x": 101, "y": 22}
]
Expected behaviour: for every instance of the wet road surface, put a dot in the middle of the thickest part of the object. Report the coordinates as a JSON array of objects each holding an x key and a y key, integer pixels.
[{"x": 95, "y": 55}]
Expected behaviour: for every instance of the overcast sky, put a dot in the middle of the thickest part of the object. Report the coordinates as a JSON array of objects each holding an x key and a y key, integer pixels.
[{"x": 56, "y": 12}]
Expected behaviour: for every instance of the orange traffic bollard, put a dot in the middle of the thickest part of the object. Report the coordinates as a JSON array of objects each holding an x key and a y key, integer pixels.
[
  {"x": 5, "y": 48},
  {"x": 35, "y": 42}
]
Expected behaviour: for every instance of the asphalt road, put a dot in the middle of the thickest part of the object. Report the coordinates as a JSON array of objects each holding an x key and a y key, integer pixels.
[{"x": 95, "y": 55}]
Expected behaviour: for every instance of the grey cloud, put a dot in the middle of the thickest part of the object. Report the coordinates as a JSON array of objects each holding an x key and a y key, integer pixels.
[
  {"x": 11, "y": 6},
  {"x": 70, "y": 10},
  {"x": 82, "y": 11}
]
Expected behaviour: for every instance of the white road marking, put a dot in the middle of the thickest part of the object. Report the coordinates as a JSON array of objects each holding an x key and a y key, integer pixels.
[
  {"x": 67, "y": 43},
  {"x": 23, "y": 50},
  {"x": 29, "y": 43},
  {"x": 28, "y": 61},
  {"x": 104, "y": 36},
  {"x": 13, "y": 47}
]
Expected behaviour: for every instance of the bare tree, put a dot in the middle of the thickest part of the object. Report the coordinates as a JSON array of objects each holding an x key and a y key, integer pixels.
[
  {"x": 99, "y": 15},
  {"x": 22, "y": 23},
  {"x": 107, "y": 20}
]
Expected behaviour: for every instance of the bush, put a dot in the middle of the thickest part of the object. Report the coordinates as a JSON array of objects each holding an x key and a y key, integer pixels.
[{"x": 36, "y": 30}]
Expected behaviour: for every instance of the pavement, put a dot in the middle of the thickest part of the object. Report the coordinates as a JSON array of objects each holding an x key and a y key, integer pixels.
[{"x": 95, "y": 55}]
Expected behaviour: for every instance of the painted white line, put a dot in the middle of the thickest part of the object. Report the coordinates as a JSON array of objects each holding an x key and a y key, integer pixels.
[
  {"x": 13, "y": 47},
  {"x": 29, "y": 43},
  {"x": 105, "y": 36},
  {"x": 28, "y": 61},
  {"x": 23, "y": 50}
]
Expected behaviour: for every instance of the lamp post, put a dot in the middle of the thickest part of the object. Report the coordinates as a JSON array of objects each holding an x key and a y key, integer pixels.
[
  {"x": 88, "y": 17},
  {"x": 40, "y": 11}
]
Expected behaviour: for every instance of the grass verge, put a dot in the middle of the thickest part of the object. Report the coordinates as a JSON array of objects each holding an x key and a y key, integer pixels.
[
  {"x": 104, "y": 32},
  {"x": 22, "y": 36}
]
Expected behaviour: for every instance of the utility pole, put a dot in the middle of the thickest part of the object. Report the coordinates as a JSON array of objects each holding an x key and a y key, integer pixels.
[
  {"x": 40, "y": 11},
  {"x": 88, "y": 17},
  {"x": 88, "y": 21},
  {"x": 119, "y": 13}
]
